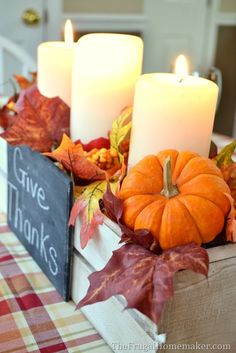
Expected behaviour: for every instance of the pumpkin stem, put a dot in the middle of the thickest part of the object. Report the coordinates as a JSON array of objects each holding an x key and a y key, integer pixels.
[{"x": 169, "y": 190}]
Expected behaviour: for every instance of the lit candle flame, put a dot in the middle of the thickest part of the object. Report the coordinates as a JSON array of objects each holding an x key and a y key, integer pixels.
[
  {"x": 181, "y": 66},
  {"x": 69, "y": 40}
]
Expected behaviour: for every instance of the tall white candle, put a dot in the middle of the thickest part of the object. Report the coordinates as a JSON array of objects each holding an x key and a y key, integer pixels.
[
  {"x": 172, "y": 111},
  {"x": 105, "y": 71},
  {"x": 55, "y": 60}
]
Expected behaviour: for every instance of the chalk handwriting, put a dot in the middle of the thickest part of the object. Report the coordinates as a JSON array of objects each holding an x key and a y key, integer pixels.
[
  {"x": 27, "y": 182},
  {"x": 37, "y": 237}
]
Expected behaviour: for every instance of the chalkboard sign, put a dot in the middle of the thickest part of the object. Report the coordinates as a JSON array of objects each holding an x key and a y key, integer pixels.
[{"x": 39, "y": 203}]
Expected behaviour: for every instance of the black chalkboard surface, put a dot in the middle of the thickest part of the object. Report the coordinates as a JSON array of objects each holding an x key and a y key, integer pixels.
[{"x": 39, "y": 202}]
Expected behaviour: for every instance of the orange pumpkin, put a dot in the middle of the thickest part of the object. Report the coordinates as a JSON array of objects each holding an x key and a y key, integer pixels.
[{"x": 179, "y": 196}]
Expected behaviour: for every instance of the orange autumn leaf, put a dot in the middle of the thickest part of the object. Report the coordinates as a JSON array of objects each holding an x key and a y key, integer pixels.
[
  {"x": 73, "y": 158},
  {"x": 62, "y": 152},
  {"x": 23, "y": 82}
]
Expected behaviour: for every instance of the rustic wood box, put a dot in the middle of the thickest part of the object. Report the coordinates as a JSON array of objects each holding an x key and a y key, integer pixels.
[
  {"x": 203, "y": 311},
  {"x": 201, "y": 314}
]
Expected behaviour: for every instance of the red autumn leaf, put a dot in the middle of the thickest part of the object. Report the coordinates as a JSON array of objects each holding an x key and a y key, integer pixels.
[
  {"x": 87, "y": 206},
  {"x": 98, "y": 143},
  {"x": 5, "y": 117},
  {"x": 40, "y": 122},
  {"x": 143, "y": 278},
  {"x": 80, "y": 208},
  {"x": 7, "y": 114},
  {"x": 113, "y": 208}
]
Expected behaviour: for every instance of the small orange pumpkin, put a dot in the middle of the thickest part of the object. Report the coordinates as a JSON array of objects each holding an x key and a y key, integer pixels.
[{"x": 178, "y": 196}]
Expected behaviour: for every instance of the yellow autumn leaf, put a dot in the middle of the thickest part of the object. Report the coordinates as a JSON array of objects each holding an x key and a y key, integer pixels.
[
  {"x": 224, "y": 158},
  {"x": 120, "y": 129},
  {"x": 87, "y": 206}
]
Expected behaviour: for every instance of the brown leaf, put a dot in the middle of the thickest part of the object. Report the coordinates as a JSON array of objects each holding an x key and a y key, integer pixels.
[
  {"x": 41, "y": 122},
  {"x": 213, "y": 150},
  {"x": 143, "y": 278},
  {"x": 113, "y": 208}
]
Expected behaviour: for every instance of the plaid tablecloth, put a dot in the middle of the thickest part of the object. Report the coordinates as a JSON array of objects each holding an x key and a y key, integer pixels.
[{"x": 33, "y": 316}]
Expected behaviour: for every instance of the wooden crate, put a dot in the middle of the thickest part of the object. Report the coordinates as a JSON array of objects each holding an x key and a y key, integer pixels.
[{"x": 203, "y": 311}]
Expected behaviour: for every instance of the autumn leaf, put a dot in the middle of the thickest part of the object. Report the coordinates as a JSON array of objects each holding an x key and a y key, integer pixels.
[
  {"x": 24, "y": 83},
  {"x": 7, "y": 113},
  {"x": 40, "y": 122},
  {"x": 63, "y": 151},
  {"x": 143, "y": 278},
  {"x": 213, "y": 150},
  {"x": 224, "y": 158},
  {"x": 120, "y": 129},
  {"x": 82, "y": 168},
  {"x": 100, "y": 142},
  {"x": 230, "y": 228},
  {"x": 113, "y": 208},
  {"x": 228, "y": 167},
  {"x": 87, "y": 206},
  {"x": 74, "y": 159}
]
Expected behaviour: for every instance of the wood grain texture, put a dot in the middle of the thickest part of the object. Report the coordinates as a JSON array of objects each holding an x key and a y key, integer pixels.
[{"x": 203, "y": 311}]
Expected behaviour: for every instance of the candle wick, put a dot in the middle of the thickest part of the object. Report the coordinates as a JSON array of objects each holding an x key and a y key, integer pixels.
[{"x": 181, "y": 80}]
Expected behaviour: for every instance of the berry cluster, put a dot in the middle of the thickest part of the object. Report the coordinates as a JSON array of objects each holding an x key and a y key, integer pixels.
[
  {"x": 107, "y": 158},
  {"x": 103, "y": 158}
]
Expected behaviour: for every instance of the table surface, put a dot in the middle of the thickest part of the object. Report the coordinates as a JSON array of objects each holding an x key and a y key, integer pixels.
[{"x": 33, "y": 316}]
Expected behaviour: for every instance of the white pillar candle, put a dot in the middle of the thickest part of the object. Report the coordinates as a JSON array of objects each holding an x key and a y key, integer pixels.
[
  {"x": 105, "y": 71},
  {"x": 171, "y": 111},
  {"x": 55, "y": 61}
]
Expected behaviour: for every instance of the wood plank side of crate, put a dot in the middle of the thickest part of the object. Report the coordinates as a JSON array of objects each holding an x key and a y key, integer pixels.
[
  {"x": 204, "y": 310},
  {"x": 199, "y": 303},
  {"x": 106, "y": 239},
  {"x": 99, "y": 249},
  {"x": 116, "y": 325}
]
